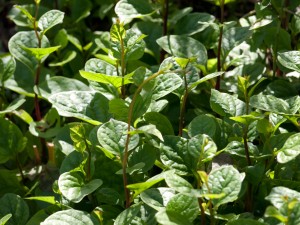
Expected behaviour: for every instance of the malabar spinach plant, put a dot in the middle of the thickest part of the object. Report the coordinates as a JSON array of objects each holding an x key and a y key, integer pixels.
[{"x": 166, "y": 116}]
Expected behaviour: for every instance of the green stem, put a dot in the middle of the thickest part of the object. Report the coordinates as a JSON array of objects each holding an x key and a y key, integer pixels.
[
  {"x": 122, "y": 68},
  {"x": 125, "y": 156},
  {"x": 182, "y": 106},
  {"x": 20, "y": 168}
]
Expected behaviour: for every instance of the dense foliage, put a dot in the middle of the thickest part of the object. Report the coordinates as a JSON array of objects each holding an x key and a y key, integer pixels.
[{"x": 150, "y": 112}]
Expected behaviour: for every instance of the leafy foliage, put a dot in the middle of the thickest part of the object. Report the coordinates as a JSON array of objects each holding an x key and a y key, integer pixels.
[{"x": 171, "y": 114}]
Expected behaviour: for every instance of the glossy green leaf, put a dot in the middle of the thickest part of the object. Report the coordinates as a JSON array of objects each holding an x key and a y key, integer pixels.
[
  {"x": 40, "y": 53},
  {"x": 117, "y": 32},
  {"x": 157, "y": 198},
  {"x": 50, "y": 19},
  {"x": 227, "y": 180},
  {"x": 271, "y": 104},
  {"x": 73, "y": 186},
  {"x": 160, "y": 121},
  {"x": 183, "y": 205},
  {"x": 165, "y": 84},
  {"x": 203, "y": 124},
  {"x": 171, "y": 218},
  {"x": 70, "y": 217},
  {"x": 7, "y": 68},
  {"x": 79, "y": 135},
  {"x": 271, "y": 211},
  {"x": 126, "y": 217},
  {"x": 11, "y": 140},
  {"x": 112, "y": 136},
  {"x": 58, "y": 84},
  {"x": 183, "y": 47},
  {"x": 290, "y": 60},
  {"x": 100, "y": 66},
  {"x": 16, "y": 206},
  {"x": 281, "y": 195},
  {"x": 233, "y": 37},
  {"x": 107, "y": 79},
  {"x": 130, "y": 9},
  {"x": 85, "y": 105},
  {"x": 13, "y": 106},
  {"x": 203, "y": 79},
  {"x": 5, "y": 218},
  {"x": 193, "y": 23},
  {"x": 290, "y": 149},
  {"x": 48, "y": 199},
  {"x": 172, "y": 153},
  {"x": 119, "y": 108},
  {"x": 22, "y": 40},
  {"x": 225, "y": 104},
  {"x": 68, "y": 57},
  {"x": 238, "y": 148}
]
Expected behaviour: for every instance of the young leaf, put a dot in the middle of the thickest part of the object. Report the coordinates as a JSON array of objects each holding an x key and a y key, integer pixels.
[
  {"x": 50, "y": 19},
  {"x": 40, "y": 53},
  {"x": 112, "y": 136},
  {"x": 16, "y": 206},
  {"x": 5, "y": 218},
  {"x": 79, "y": 135},
  {"x": 74, "y": 188},
  {"x": 227, "y": 180},
  {"x": 85, "y": 105},
  {"x": 183, "y": 47},
  {"x": 70, "y": 217},
  {"x": 281, "y": 195},
  {"x": 26, "y": 39},
  {"x": 117, "y": 32},
  {"x": 290, "y": 149}
]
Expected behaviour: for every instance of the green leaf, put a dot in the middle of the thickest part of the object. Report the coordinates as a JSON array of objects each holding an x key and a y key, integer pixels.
[
  {"x": 203, "y": 79},
  {"x": 160, "y": 121},
  {"x": 40, "y": 53},
  {"x": 112, "y": 136},
  {"x": 271, "y": 211},
  {"x": 5, "y": 218},
  {"x": 290, "y": 60},
  {"x": 26, "y": 13},
  {"x": 22, "y": 40},
  {"x": 233, "y": 37},
  {"x": 281, "y": 195},
  {"x": 270, "y": 103},
  {"x": 238, "y": 148},
  {"x": 157, "y": 198},
  {"x": 13, "y": 106},
  {"x": 126, "y": 217},
  {"x": 68, "y": 57},
  {"x": 50, "y": 19},
  {"x": 165, "y": 84},
  {"x": 79, "y": 135},
  {"x": 107, "y": 79},
  {"x": 70, "y": 217},
  {"x": 89, "y": 106},
  {"x": 73, "y": 161},
  {"x": 183, "y": 205},
  {"x": 117, "y": 32},
  {"x": 203, "y": 124},
  {"x": 16, "y": 206},
  {"x": 127, "y": 10},
  {"x": 119, "y": 108},
  {"x": 183, "y": 47},
  {"x": 73, "y": 187},
  {"x": 59, "y": 84},
  {"x": 172, "y": 150},
  {"x": 226, "y": 105},
  {"x": 193, "y": 23},
  {"x": 100, "y": 66},
  {"x": 227, "y": 180},
  {"x": 48, "y": 199},
  {"x": 245, "y": 222},
  {"x": 290, "y": 149},
  {"x": 11, "y": 140},
  {"x": 7, "y": 68},
  {"x": 218, "y": 2},
  {"x": 171, "y": 218}
]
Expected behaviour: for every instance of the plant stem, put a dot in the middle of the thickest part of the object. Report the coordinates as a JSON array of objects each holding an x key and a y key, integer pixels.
[
  {"x": 219, "y": 61},
  {"x": 165, "y": 25},
  {"x": 122, "y": 68},
  {"x": 125, "y": 156},
  {"x": 182, "y": 107},
  {"x": 20, "y": 168}
]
